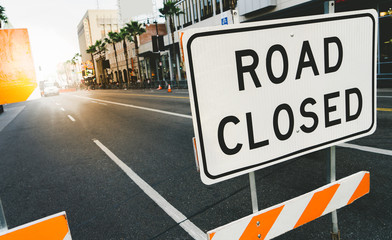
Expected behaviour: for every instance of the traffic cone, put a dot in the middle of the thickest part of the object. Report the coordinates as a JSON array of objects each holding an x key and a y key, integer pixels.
[
  {"x": 169, "y": 89},
  {"x": 159, "y": 88}
]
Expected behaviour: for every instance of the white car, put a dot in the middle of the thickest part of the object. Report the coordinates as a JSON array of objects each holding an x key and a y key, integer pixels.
[{"x": 50, "y": 89}]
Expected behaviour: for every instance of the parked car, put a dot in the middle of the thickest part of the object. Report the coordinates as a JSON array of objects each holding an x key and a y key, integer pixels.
[{"x": 50, "y": 88}]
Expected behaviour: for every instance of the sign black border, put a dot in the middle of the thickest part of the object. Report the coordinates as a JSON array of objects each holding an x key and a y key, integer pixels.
[{"x": 256, "y": 28}]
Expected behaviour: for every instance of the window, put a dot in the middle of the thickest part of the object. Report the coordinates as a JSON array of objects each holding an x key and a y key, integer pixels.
[
  {"x": 226, "y": 5},
  {"x": 217, "y": 4},
  {"x": 385, "y": 32},
  {"x": 102, "y": 28}
]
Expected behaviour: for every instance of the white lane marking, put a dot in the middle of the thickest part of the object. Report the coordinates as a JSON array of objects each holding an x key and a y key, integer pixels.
[
  {"x": 138, "y": 107},
  {"x": 176, "y": 215},
  {"x": 62, "y": 109},
  {"x": 57, "y": 104},
  {"x": 72, "y": 119},
  {"x": 384, "y": 96},
  {"x": 367, "y": 149},
  {"x": 93, "y": 101}
]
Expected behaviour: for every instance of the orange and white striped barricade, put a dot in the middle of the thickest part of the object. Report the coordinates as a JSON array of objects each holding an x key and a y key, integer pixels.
[
  {"x": 54, "y": 227},
  {"x": 286, "y": 216}
]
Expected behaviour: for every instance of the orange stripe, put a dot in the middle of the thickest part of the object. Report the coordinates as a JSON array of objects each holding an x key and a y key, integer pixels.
[
  {"x": 317, "y": 205},
  {"x": 362, "y": 189},
  {"x": 261, "y": 224},
  {"x": 212, "y": 235},
  {"x": 51, "y": 229}
]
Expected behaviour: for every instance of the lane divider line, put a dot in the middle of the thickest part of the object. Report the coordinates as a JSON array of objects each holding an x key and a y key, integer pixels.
[
  {"x": 62, "y": 109},
  {"x": 176, "y": 215},
  {"x": 384, "y": 109},
  {"x": 138, "y": 107},
  {"x": 103, "y": 104},
  {"x": 72, "y": 119},
  {"x": 366, "y": 149}
]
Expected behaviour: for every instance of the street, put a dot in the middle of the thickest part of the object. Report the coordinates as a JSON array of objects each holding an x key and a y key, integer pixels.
[{"x": 121, "y": 164}]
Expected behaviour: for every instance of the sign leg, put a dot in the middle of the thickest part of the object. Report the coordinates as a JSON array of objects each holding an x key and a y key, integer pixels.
[
  {"x": 253, "y": 192},
  {"x": 331, "y": 177},
  {"x": 3, "y": 223}
]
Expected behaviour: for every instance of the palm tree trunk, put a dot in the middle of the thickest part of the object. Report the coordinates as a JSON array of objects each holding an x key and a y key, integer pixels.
[
  {"x": 103, "y": 71},
  {"x": 118, "y": 70},
  {"x": 137, "y": 56},
  {"x": 92, "y": 59},
  {"x": 126, "y": 58},
  {"x": 174, "y": 48}
]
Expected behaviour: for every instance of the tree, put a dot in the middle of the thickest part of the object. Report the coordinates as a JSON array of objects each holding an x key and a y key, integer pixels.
[
  {"x": 101, "y": 47},
  {"x": 91, "y": 50},
  {"x": 125, "y": 35},
  {"x": 113, "y": 39},
  {"x": 136, "y": 30},
  {"x": 3, "y": 16},
  {"x": 170, "y": 10}
]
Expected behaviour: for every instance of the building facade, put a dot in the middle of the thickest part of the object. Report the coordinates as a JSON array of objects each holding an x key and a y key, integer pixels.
[
  {"x": 95, "y": 25},
  {"x": 202, "y": 13}
]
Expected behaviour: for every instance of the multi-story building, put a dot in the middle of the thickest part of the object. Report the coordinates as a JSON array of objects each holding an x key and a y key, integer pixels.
[
  {"x": 201, "y": 13},
  {"x": 95, "y": 25}
]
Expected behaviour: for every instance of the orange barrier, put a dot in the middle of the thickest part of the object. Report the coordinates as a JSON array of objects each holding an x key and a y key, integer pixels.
[
  {"x": 281, "y": 218},
  {"x": 54, "y": 227},
  {"x": 17, "y": 74}
]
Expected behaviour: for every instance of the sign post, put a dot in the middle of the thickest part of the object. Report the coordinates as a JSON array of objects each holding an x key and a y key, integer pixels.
[{"x": 329, "y": 7}]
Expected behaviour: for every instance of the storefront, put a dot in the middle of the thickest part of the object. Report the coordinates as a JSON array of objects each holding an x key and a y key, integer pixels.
[{"x": 384, "y": 9}]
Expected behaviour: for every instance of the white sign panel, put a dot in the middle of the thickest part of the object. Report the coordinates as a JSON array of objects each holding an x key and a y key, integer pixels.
[{"x": 267, "y": 92}]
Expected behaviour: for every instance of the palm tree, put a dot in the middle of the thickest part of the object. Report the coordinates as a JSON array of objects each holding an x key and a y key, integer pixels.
[
  {"x": 3, "y": 17},
  {"x": 113, "y": 39},
  {"x": 170, "y": 10},
  {"x": 91, "y": 50},
  {"x": 101, "y": 47},
  {"x": 125, "y": 35},
  {"x": 136, "y": 30}
]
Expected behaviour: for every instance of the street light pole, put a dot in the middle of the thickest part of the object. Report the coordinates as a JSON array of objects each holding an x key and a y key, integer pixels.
[{"x": 157, "y": 60}]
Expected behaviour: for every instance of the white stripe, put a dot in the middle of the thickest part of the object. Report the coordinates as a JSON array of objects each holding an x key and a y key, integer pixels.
[
  {"x": 176, "y": 215},
  {"x": 72, "y": 119},
  {"x": 294, "y": 210},
  {"x": 366, "y": 149},
  {"x": 57, "y": 104},
  {"x": 384, "y": 96},
  {"x": 344, "y": 193},
  {"x": 138, "y": 107},
  {"x": 62, "y": 109}
]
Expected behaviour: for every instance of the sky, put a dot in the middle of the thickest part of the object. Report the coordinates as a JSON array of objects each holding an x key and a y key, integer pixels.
[{"x": 52, "y": 27}]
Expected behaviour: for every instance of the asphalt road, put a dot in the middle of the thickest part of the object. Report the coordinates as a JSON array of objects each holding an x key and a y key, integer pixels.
[{"x": 145, "y": 186}]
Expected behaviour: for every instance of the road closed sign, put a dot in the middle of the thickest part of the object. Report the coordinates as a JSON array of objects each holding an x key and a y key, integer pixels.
[{"x": 263, "y": 93}]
